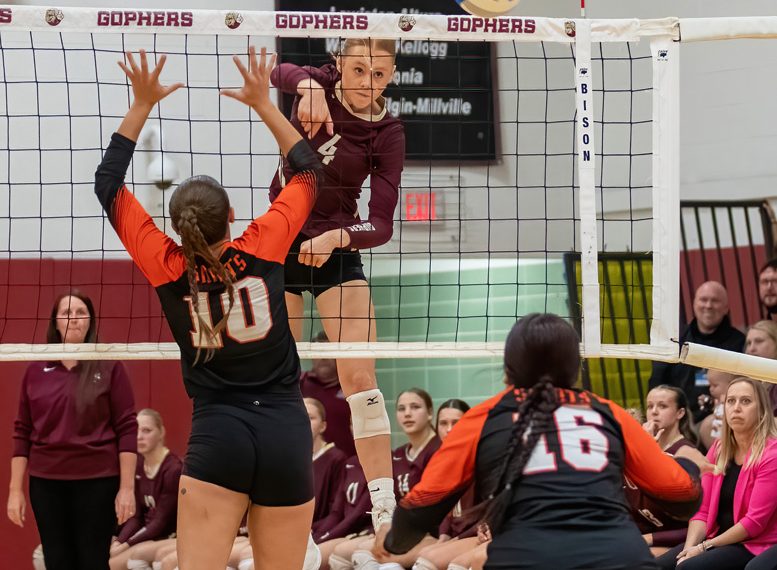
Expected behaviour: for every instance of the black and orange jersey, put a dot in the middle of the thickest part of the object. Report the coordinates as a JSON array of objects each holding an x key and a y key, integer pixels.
[
  {"x": 574, "y": 477},
  {"x": 256, "y": 349}
]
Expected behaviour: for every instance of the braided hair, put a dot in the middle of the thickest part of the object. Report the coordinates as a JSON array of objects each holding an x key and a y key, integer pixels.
[
  {"x": 199, "y": 209},
  {"x": 541, "y": 353}
]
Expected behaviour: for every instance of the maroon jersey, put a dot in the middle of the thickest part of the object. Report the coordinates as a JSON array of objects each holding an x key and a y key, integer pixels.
[
  {"x": 60, "y": 444},
  {"x": 328, "y": 466},
  {"x": 351, "y": 508},
  {"x": 407, "y": 471},
  {"x": 256, "y": 349},
  {"x": 338, "y": 412},
  {"x": 461, "y": 522},
  {"x": 156, "y": 501},
  {"x": 361, "y": 146}
]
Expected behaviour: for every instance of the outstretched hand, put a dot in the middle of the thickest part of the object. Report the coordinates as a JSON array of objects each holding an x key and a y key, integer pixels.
[
  {"x": 256, "y": 79},
  {"x": 146, "y": 88}
]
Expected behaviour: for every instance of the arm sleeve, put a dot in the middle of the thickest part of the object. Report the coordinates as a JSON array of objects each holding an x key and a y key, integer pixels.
[
  {"x": 669, "y": 538},
  {"x": 123, "y": 417},
  {"x": 270, "y": 236},
  {"x": 385, "y": 177},
  {"x": 156, "y": 254},
  {"x": 354, "y": 520},
  {"x": 671, "y": 482},
  {"x": 445, "y": 479},
  {"x": 23, "y": 423},
  {"x": 287, "y": 76},
  {"x": 129, "y": 528},
  {"x": 165, "y": 512},
  {"x": 760, "y": 511}
]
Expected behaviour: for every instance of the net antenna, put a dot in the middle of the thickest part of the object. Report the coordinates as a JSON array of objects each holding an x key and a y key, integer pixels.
[{"x": 587, "y": 118}]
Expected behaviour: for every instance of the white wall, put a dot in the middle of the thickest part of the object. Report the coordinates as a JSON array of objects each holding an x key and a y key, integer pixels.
[{"x": 728, "y": 140}]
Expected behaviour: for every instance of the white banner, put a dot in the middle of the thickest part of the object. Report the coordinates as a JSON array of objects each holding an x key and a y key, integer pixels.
[{"x": 323, "y": 24}]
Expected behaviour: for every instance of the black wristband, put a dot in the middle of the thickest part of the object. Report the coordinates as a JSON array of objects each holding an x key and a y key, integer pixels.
[{"x": 301, "y": 158}]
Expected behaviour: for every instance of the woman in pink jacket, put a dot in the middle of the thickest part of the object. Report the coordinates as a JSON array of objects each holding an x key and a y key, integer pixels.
[{"x": 738, "y": 517}]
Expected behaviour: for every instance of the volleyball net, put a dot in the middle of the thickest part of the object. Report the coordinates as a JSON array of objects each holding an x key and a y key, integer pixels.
[{"x": 538, "y": 149}]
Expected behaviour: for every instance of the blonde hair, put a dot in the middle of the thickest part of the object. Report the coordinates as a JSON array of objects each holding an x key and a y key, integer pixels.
[
  {"x": 764, "y": 430},
  {"x": 318, "y": 405},
  {"x": 372, "y": 44},
  {"x": 767, "y": 327}
]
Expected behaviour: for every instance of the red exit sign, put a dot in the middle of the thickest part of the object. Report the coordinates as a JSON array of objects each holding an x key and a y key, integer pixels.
[{"x": 421, "y": 207}]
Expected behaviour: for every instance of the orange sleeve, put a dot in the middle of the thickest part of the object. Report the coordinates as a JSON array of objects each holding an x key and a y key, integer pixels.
[
  {"x": 452, "y": 467},
  {"x": 652, "y": 470},
  {"x": 155, "y": 253},
  {"x": 270, "y": 236}
]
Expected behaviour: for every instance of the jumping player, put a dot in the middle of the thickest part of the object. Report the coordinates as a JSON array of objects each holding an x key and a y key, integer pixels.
[
  {"x": 359, "y": 138},
  {"x": 550, "y": 460},
  {"x": 223, "y": 300}
]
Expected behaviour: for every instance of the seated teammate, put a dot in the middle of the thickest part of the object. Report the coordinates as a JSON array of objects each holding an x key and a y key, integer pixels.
[
  {"x": 156, "y": 497},
  {"x": 414, "y": 414},
  {"x": 549, "y": 459}
]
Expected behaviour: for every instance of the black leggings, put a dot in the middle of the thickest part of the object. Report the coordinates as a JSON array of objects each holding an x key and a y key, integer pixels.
[
  {"x": 76, "y": 520},
  {"x": 731, "y": 557},
  {"x": 767, "y": 560}
]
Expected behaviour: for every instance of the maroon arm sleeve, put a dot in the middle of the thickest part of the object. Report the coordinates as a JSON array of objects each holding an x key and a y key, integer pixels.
[
  {"x": 132, "y": 526},
  {"x": 389, "y": 159},
  {"x": 287, "y": 76},
  {"x": 670, "y": 538},
  {"x": 340, "y": 523},
  {"x": 23, "y": 423},
  {"x": 123, "y": 416},
  {"x": 166, "y": 508}
]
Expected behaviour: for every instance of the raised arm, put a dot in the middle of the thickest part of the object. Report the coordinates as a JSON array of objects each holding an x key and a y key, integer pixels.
[{"x": 148, "y": 246}]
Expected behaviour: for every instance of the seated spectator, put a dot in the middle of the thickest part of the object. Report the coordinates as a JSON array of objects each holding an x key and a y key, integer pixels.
[
  {"x": 736, "y": 521},
  {"x": 76, "y": 434},
  {"x": 458, "y": 531},
  {"x": 710, "y": 427},
  {"x": 761, "y": 341},
  {"x": 414, "y": 414},
  {"x": 328, "y": 461},
  {"x": 767, "y": 288},
  {"x": 322, "y": 383},
  {"x": 669, "y": 422},
  {"x": 710, "y": 326},
  {"x": 156, "y": 497}
]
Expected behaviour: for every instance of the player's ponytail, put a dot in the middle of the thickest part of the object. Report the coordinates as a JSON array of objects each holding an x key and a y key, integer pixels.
[
  {"x": 541, "y": 354},
  {"x": 200, "y": 213},
  {"x": 535, "y": 418}
]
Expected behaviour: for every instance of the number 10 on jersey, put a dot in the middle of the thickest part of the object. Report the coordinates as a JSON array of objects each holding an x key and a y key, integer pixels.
[{"x": 249, "y": 320}]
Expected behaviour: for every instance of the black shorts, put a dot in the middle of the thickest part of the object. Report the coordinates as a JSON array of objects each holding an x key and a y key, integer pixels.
[
  {"x": 258, "y": 444},
  {"x": 342, "y": 266}
]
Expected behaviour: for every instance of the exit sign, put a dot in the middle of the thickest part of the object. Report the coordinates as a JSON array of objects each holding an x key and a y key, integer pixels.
[{"x": 422, "y": 206}]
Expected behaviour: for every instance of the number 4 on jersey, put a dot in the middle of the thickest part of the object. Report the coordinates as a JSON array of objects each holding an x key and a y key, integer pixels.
[
  {"x": 328, "y": 149},
  {"x": 250, "y": 319},
  {"x": 583, "y": 447}
]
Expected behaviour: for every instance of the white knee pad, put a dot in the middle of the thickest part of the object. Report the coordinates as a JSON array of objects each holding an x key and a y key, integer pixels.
[
  {"x": 456, "y": 567},
  {"x": 138, "y": 565},
  {"x": 312, "y": 556},
  {"x": 368, "y": 414},
  {"x": 156, "y": 565},
  {"x": 423, "y": 564},
  {"x": 364, "y": 560},
  {"x": 339, "y": 563},
  {"x": 391, "y": 566},
  {"x": 245, "y": 564}
]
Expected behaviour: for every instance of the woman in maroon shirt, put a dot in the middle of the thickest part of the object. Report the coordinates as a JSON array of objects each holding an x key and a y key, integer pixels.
[
  {"x": 359, "y": 139},
  {"x": 76, "y": 434},
  {"x": 156, "y": 496}
]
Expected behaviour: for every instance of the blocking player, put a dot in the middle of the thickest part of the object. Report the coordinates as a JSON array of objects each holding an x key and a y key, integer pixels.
[
  {"x": 223, "y": 299},
  {"x": 549, "y": 460},
  {"x": 340, "y": 108}
]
